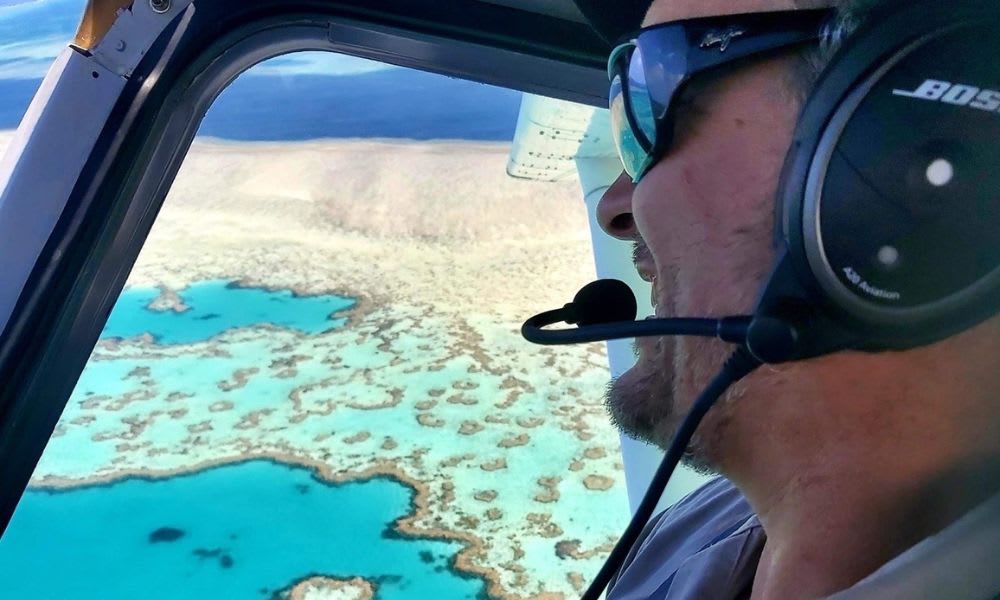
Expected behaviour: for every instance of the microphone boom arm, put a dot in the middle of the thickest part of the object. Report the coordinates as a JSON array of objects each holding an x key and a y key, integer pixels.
[{"x": 729, "y": 329}]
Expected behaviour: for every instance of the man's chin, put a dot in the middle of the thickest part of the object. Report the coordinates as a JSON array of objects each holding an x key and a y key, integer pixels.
[{"x": 640, "y": 403}]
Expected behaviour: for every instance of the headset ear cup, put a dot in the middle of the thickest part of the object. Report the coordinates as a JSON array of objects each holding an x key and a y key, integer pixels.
[{"x": 887, "y": 212}]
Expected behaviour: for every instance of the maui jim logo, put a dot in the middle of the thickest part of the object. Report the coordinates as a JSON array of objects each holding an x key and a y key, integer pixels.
[{"x": 723, "y": 38}]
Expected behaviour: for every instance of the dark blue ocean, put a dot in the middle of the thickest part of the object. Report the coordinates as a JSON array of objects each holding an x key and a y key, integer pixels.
[
  {"x": 292, "y": 97},
  {"x": 397, "y": 103},
  {"x": 392, "y": 103}
]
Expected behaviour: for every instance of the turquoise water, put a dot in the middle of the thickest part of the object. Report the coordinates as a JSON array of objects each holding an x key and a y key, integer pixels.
[
  {"x": 240, "y": 531},
  {"x": 215, "y": 306}
]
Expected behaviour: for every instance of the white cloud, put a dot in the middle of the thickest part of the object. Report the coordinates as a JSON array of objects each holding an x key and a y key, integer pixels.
[
  {"x": 38, "y": 48},
  {"x": 8, "y": 3},
  {"x": 13, "y": 9},
  {"x": 317, "y": 63},
  {"x": 33, "y": 32},
  {"x": 29, "y": 59}
]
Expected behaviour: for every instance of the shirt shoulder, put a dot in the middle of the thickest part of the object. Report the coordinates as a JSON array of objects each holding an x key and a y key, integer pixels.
[
  {"x": 712, "y": 513},
  {"x": 957, "y": 563}
]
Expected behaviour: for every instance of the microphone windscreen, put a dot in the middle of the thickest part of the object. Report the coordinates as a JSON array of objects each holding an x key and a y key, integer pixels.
[{"x": 604, "y": 301}]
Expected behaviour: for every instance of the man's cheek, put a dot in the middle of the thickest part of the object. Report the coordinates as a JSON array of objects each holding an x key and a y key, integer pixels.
[
  {"x": 648, "y": 208},
  {"x": 702, "y": 290},
  {"x": 665, "y": 212}
]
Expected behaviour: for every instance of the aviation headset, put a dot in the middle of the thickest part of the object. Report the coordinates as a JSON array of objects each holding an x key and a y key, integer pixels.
[
  {"x": 888, "y": 215},
  {"x": 889, "y": 203}
]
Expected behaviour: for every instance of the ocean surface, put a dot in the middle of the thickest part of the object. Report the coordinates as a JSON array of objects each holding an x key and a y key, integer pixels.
[
  {"x": 240, "y": 531},
  {"x": 248, "y": 530},
  {"x": 337, "y": 106},
  {"x": 320, "y": 94},
  {"x": 211, "y": 307}
]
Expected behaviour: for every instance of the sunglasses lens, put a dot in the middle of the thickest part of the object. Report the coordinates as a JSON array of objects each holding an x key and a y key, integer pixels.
[
  {"x": 633, "y": 156},
  {"x": 640, "y": 102}
]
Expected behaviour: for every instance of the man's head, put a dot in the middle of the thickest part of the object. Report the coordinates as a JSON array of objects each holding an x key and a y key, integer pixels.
[{"x": 702, "y": 221}]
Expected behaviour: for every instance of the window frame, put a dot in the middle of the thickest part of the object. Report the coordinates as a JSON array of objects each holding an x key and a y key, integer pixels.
[{"x": 85, "y": 263}]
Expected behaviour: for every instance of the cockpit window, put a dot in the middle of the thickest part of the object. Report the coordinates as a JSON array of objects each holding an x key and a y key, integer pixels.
[{"x": 313, "y": 384}]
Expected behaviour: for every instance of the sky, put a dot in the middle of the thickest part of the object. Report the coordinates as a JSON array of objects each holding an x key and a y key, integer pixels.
[{"x": 33, "y": 32}]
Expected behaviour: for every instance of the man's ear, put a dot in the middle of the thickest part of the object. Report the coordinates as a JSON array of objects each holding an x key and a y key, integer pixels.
[{"x": 613, "y": 19}]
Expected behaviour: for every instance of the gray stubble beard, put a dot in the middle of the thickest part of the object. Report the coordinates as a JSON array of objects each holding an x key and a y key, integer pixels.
[{"x": 642, "y": 405}]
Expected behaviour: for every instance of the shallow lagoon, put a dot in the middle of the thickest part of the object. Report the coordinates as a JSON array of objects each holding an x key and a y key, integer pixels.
[
  {"x": 383, "y": 391},
  {"x": 241, "y": 531},
  {"x": 247, "y": 531},
  {"x": 216, "y": 306}
]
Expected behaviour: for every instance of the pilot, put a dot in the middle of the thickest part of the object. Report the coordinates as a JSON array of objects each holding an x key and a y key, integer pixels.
[{"x": 854, "y": 475}]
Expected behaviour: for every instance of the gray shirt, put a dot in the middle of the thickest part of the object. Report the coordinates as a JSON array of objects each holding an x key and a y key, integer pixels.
[{"x": 706, "y": 547}]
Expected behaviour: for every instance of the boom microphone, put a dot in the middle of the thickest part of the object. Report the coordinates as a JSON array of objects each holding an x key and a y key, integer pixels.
[{"x": 605, "y": 310}]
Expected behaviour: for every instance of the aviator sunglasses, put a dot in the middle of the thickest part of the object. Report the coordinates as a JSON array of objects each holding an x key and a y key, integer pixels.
[{"x": 648, "y": 73}]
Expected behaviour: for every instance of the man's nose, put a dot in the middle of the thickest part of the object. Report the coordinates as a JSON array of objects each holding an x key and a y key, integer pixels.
[{"x": 614, "y": 211}]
